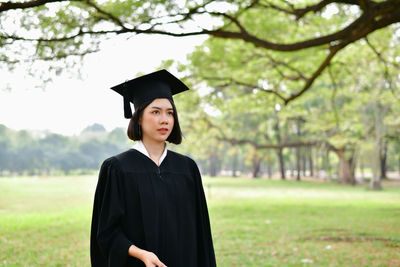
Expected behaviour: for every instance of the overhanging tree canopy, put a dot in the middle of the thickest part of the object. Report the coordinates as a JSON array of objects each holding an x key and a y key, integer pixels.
[{"x": 61, "y": 29}]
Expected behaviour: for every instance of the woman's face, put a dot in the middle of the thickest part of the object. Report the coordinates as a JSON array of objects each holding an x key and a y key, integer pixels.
[{"x": 157, "y": 120}]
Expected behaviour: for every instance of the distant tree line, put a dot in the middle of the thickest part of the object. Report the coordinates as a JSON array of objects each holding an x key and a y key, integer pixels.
[
  {"x": 30, "y": 153},
  {"x": 44, "y": 153}
]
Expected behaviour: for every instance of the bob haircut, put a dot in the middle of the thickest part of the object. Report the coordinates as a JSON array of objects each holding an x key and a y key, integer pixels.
[{"x": 133, "y": 128}]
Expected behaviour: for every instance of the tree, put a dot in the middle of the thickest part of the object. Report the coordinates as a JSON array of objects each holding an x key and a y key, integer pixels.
[
  {"x": 58, "y": 29},
  {"x": 199, "y": 140},
  {"x": 54, "y": 147},
  {"x": 21, "y": 152},
  {"x": 119, "y": 138},
  {"x": 242, "y": 119},
  {"x": 5, "y": 147},
  {"x": 94, "y": 131},
  {"x": 273, "y": 51},
  {"x": 332, "y": 116},
  {"x": 96, "y": 127}
]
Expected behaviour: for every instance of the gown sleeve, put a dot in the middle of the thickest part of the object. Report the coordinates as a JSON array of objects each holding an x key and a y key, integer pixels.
[
  {"x": 109, "y": 245},
  {"x": 205, "y": 246}
]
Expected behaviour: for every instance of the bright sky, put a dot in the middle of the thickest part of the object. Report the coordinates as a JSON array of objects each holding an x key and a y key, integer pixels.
[{"x": 68, "y": 105}]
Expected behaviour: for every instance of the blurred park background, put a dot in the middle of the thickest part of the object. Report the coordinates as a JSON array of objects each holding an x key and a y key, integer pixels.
[{"x": 293, "y": 119}]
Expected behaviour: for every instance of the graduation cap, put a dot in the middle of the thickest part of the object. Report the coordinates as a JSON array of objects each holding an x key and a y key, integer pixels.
[{"x": 159, "y": 84}]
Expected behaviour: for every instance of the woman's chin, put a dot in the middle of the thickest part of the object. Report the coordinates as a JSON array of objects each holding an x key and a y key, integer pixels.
[{"x": 160, "y": 138}]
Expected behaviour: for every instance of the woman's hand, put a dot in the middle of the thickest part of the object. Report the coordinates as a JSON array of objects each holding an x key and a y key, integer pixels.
[{"x": 149, "y": 258}]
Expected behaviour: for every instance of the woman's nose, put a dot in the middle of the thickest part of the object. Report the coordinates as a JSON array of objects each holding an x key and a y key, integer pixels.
[{"x": 164, "y": 118}]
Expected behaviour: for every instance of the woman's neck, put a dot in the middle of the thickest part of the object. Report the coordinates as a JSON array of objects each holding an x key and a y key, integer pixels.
[{"x": 155, "y": 149}]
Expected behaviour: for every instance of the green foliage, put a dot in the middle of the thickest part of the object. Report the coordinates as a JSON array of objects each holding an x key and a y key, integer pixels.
[
  {"x": 96, "y": 127},
  {"x": 23, "y": 153},
  {"x": 339, "y": 111},
  {"x": 352, "y": 102}
]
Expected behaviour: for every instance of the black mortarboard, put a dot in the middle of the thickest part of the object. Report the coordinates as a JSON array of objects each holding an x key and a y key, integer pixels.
[{"x": 159, "y": 84}]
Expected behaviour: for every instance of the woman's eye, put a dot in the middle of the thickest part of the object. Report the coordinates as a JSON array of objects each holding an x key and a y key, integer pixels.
[
  {"x": 155, "y": 112},
  {"x": 170, "y": 113}
]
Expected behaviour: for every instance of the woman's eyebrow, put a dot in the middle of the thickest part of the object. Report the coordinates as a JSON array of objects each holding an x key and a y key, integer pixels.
[{"x": 161, "y": 108}]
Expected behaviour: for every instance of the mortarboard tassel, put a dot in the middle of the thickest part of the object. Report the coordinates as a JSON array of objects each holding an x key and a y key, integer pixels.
[{"x": 127, "y": 105}]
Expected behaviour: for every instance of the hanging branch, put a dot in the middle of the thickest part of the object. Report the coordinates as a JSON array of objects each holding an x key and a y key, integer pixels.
[{"x": 374, "y": 15}]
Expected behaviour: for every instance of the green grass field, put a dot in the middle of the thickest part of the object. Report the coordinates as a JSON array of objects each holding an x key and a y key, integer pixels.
[{"x": 46, "y": 222}]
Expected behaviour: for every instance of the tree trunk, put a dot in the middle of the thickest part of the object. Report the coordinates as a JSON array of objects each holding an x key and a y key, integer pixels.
[
  {"x": 292, "y": 163},
  {"x": 317, "y": 163},
  {"x": 235, "y": 164},
  {"x": 375, "y": 183},
  {"x": 298, "y": 164},
  {"x": 346, "y": 172},
  {"x": 304, "y": 161},
  {"x": 281, "y": 164},
  {"x": 399, "y": 166},
  {"x": 299, "y": 155},
  {"x": 382, "y": 160},
  {"x": 269, "y": 168},
  {"x": 280, "y": 150},
  {"x": 310, "y": 161},
  {"x": 256, "y": 166},
  {"x": 362, "y": 170},
  {"x": 213, "y": 165}
]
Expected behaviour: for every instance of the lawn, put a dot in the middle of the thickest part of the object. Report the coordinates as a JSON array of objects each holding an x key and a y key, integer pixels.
[{"x": 46, "y": 222}]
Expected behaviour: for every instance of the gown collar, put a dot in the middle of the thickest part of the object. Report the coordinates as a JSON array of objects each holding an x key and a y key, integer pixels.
[{"x": 139, "y": 146}]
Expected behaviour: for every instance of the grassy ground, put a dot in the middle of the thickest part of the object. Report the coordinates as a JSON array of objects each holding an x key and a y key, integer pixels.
[{"x": 46, "y": 222}]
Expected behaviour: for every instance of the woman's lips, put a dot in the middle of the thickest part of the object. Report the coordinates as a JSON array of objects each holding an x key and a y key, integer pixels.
[{"x": 163, "y": 130}]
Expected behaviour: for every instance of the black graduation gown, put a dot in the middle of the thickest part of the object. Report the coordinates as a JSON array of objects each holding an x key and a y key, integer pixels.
[{"x": 161, "y": 209}]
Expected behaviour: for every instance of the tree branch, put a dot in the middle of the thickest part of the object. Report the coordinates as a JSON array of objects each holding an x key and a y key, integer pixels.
[
  {"x": 307, "y": 85},
  {"x": 375, "y": 15},
  {"x": 113, "y": 18},
  {"x": 301, "y": 12},
  {"x": 361, "y": 27},
  {"x": 286, "y": 65},
  {"x": 232, "y": 19},
  {"x": 247, "y": 85},
  {"x": 24, "y": 5},
  {"x": 321, "y": 68},
  {"x": 235, "y": 141}
]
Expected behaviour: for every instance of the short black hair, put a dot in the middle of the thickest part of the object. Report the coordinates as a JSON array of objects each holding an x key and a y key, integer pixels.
[{"x": 134, "y": 134}]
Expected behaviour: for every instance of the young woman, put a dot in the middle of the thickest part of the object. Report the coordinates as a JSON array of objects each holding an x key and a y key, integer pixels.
[{"x": 149, "y": 207}]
